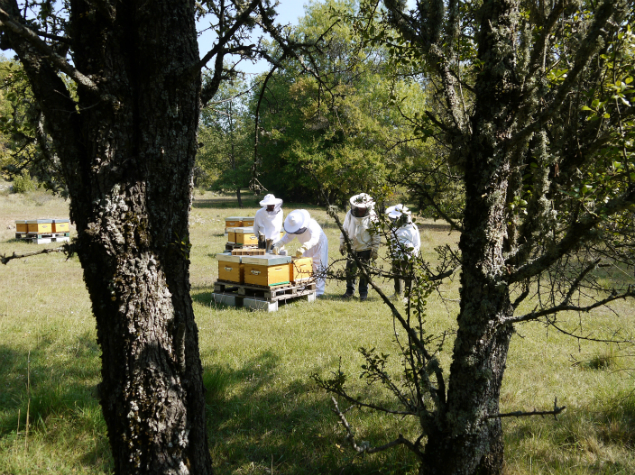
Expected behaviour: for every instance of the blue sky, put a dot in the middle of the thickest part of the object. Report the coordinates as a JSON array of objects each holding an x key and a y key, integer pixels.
[{"x": 288, "y": 13}]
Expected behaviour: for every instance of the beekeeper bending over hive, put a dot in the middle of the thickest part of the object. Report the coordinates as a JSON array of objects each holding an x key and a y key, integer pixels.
[
  {"x": 268, "y": 220},
  {"x": 404, "y": 243},
  {"x": 358, "y": 225},
  {"x": 299, "y": 224}
]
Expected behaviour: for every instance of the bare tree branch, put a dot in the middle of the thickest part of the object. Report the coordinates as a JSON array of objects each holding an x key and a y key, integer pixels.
[
  {"x": 573, "y": 308},
  {"x": 364, "y": 447},
  {"x": 556, "y": 410},
  {"x": 578, "y": 233},
  {"x": 16, "y": 27},
  {"x": 5, "y": 259}
]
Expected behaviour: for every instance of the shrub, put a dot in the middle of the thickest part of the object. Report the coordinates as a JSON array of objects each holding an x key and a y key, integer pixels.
[{"x": 24, "y": 183}]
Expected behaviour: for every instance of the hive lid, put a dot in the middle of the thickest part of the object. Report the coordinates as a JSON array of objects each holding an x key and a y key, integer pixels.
[
  {"x": 244, "y": 230},
  {"x": 61, "y": 220},
  {"x": 39, "y": 221},
  {"x": 227, "y": 257},
  {"x": 234, "y": 218},
  {"x": 266, "y": 260}
]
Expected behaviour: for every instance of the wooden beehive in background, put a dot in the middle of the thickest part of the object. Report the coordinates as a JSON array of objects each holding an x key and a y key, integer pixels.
[
  {"x": 247, "y": 221},
  {"x": 230, "y": 268},
  {"x": 301, "y": 269},
  {"x": 61, "y": 225},
  {"x": 21, "y": 226},
  {"x": 233, "y": 222},
  {"x": 231, "y": 234},
  {"x": 267, "y": 270},
  {"x": 40, "y": 226}
]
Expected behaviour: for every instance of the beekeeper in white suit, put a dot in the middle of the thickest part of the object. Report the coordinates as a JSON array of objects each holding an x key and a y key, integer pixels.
[
  {"x": 268, "y": 219},
  {"x": 359, "y": 227},
  {"x": 404, "y": 243},
  {"x": 299, "y": 224}
]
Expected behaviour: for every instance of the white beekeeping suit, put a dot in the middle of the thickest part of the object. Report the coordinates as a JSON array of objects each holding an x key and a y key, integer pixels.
[
  {"x": 300, "y": 225},
  {"x": 404, "y": 236},
  {"x": 268, "y": 219},
  {"x": 358, "y": 225}
]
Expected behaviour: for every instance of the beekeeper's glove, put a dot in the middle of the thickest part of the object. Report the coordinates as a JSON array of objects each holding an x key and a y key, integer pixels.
[{"x": 301, "y": 250}]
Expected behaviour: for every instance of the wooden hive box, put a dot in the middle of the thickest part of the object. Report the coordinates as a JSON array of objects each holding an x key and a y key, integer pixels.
[
  {"x": 247, "y": 221},
  {"x": 233, "y": 222},
  {"x": 248, "y": 252},
  {"x": 21, "y": 226},
  {"x": 301, "y": 269},
  {"x": 230, "y": 268},
  {"x": 245, "y": 236},
  {"x": 61, "y": 225},
  {"x": 267, "y": 270},
  {"x": 40, "y": 226},
  {"x": 231, "y": 234}
]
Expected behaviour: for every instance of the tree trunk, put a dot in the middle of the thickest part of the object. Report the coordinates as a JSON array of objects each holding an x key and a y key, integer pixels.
[
  {"x": 470, "y": 439},
  {"x": 240, "y": 200},
  {"x": 468, "y": 442},
  {"x": 128, "y": 154}
]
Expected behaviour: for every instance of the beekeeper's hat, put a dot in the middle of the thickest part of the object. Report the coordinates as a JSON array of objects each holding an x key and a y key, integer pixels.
[
  {"x": 362, "y": 201},
  {"x": 270, "y": 200},
  {"x": 395, "y": 212},
  {"x": 296, "y": 221}
]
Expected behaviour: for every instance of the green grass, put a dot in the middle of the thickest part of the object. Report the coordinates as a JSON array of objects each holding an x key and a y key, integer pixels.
[{"x": 264, "y": 409}]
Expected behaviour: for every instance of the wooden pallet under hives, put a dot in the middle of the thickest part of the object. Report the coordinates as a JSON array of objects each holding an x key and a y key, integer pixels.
[
  {"x": 43, "y": 238},
  {"x": 260, "y": 297}
]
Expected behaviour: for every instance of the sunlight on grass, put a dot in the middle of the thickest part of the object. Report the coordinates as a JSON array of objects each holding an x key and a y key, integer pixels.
[{"x": 263, "y": 409}]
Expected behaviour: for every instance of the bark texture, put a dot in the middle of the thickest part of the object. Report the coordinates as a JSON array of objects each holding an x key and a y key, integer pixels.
[{"x": 127, "y": 150}]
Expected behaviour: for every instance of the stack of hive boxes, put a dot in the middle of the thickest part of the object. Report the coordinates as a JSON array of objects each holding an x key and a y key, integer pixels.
[
  {"x": 239, "y": 230},
  {"x": 42, "y": 227},
  {"x": 263, "y": 270}
]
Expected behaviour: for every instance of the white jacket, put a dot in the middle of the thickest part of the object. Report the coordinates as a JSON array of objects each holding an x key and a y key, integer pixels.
[
  {"x": 270, "y": 226},
  {"x": 359, "y": 231},
  {"x": 317, "y": 247},
  {"x": 405, "y": 240}
]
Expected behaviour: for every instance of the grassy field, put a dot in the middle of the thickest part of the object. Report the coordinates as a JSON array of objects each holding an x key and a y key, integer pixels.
[{"x": 264, "y": 411}]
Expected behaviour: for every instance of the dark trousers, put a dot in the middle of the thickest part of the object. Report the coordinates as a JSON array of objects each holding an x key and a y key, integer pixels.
[
  {"x": 351, "y": 273},
  {"x": 402, "y": 271}
]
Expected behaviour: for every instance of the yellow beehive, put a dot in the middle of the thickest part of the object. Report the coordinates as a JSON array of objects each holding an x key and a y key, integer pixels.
[
  {"x": 61, "y": 225},
  {"x": 301, "y": 269},
  {"x": 267, "y": 270},
  {"x": 40, "y": 226},
  {"x": 248, "y": 221},
  {"x": 21, "y": 226},
  {"x": 233, "y": 222},
  {"x": 229, "y": 268},
  {"x": 231, "y": 235},
  {"x": 245, "y": 236}
]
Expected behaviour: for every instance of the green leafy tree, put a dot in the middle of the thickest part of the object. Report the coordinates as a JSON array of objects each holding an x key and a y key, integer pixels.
[
  {"x": 327, "y": 123},
  {"x": 225, "y": 159},
  {"x": 27, "y": 151}
]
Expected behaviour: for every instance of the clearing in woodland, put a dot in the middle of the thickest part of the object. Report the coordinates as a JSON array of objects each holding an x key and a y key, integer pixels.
[{"x": 265, "y": 413}]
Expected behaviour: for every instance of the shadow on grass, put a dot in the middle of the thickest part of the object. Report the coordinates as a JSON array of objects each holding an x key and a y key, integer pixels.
[
  {"x": 252, "y": 422},
  {"x": 202, "y": 295},
  {"x": 62, "y": 404},
  {"x": 223, "y": 203},
  {"x": 593, "y": 439}
]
